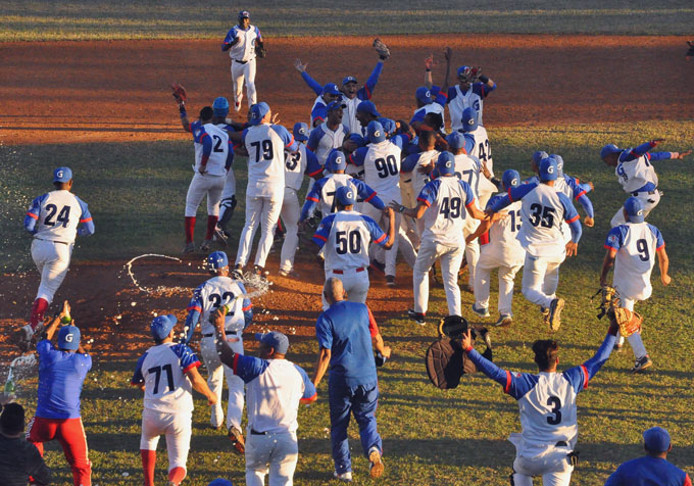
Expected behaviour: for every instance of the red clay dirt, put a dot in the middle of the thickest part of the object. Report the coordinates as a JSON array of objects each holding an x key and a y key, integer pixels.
[{"x": 73, "y": 92}]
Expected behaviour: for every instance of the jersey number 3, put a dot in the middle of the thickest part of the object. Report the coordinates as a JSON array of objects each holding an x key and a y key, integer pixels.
[{"x": 555, "y": 417}]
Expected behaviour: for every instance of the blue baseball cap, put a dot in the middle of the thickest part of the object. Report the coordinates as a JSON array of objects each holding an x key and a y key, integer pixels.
[
  {"x": 349, "y": 79},
  {"x": 538, "y": 156},
  {"x": 69, "y": 338},
  {"x": 388, "y": 125},
  {"x": 331, "y": 88},
  {"x": 62, "y": 174},
  {"x": 345, "y": 195},
  {"x": 445, "y": 164},
  {"x": 243, "y": 14},
  {"x": 424, "y": 95},
  {"x": 274, "y": 339},
  {"x": 456, "y": 140},
  {"x": 217, "y": 260},
  {"x": 548, "y": 169},
  {"x": 634, "y": 208},
  {"x": 335, "y": 105},
  {"x": 510, "y": 178},
  {"x": 221, "y": 482},
  {"x": 656, "y": 439},
  {"x": 608, "y": 149},
  {"x": 469, "y": 119},
  {"x": 375, "y": 132},
  {"x": 161, "y": 326},
  {"x": 462, "y": 69},
  {"x": 300, "y": 132},
  {"x": 220, "y": 107},
  {"x": 560, "y": 164},
  {"x": 336, "y": 161},
  {"x": 258, "y": 112},
  {"x": 368, "y": 107}
]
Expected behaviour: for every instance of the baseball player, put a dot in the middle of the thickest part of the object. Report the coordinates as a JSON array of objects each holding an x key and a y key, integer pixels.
[
  {"x": 329, "y": 135},
  {"x": 54, "y": 220},
  {"x": 416, "y": 167},
  {"x": 636, "y": 174},
  {"x": 275, "y": 386},
  {"x": 243, "y": 42},
  {"x": 346, "y": 235},
  {"x": 547, "y": 406},
  {"x": 470, "y": 92},
  {"x": 168, "y": 373},
  {"x": 217, "y": 292},
  {"x": 351, "y": 95},
  {"x": 266, "y": 144},
  {"x": 500, "y": 249},
  {"x": 542, "y": 211},
  {"x": 442, "y": 203},
  {"x": 214, "y": 155},
  {"x": 296, "y": 165},
  {"x": 631, "y": 248},
  {"x": 62, "y": 372},
  {"x": 432, "y": 99},
  {"x": 326, "y": 95},
  {"x": 477, "y": 146}
]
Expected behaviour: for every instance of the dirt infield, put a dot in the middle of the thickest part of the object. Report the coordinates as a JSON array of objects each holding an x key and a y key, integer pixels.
[{"x": 69, "y": 92}]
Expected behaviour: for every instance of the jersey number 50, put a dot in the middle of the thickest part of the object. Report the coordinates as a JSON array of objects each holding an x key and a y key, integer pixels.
[{"x": 348, "y": 242}]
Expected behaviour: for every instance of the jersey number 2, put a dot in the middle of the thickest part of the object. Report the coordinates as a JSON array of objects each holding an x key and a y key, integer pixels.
[{"x": 63, "y": 216}]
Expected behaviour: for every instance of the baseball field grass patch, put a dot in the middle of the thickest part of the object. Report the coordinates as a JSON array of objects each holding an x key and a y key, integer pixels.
[{"x": 35, "y": 20}]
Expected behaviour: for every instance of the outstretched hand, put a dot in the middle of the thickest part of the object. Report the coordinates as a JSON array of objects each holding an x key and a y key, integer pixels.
[
  {"x": 467, "y": 339},
  {"x": 679, "y": 155},
  {"x": 299, "y": 66},
  {"x": 429, "y": 62}
]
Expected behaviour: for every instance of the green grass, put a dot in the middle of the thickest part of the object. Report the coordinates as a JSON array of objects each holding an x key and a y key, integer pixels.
[
  {"x": 136, "y": 193},
  {"x": 34, "y": 20}
]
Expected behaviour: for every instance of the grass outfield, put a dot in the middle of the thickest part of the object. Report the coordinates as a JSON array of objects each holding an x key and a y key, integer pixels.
[
  {"x": 33, "y": 20},
  {"x": 136, "y": 194}
]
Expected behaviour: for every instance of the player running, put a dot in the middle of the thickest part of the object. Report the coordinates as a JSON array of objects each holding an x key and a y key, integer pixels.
[{"x": 243, "y": 42}]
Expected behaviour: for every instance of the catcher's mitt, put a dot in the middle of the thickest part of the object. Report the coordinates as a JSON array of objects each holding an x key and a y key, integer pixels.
[
  {"x": 260, "y": 50},
  {"x": 179, "y": 93},
  {"x": 452, "y": 326},
  {"x": 381, "y": 49}
]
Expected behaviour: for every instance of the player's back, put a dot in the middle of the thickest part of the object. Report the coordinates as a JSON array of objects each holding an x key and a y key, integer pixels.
[
  {"x": 445, "y": 217},
  {"x": 468, "y": 169},
  {"x": 331, "y": 183},
  {"x": 542, "y": 213},
  {"x": 60, "y": 214},
  {"x": 636, "y": 173},
  {"x": 216, "y": 292},
  {"x": 294, "y": 167},
  {"x": 419, "y": 179},
  {"x": 347, "y": 246},
  {"x": 638, "y": 243},
  {"x": 382, "y": 168},
  {"x": 216, "y": 163},
  {"x": 463, "y": 100},
  {"x": 167, "y": 388},
  {"x": 482, "y": 149},
  {"x": 265, "y": 161},
  {"x": 503, "y": 234}
]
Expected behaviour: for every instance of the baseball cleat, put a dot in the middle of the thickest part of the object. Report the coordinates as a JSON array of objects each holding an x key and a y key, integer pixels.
[
  {"x": 236, "y": 438},
  {"x": 220, "y": 235},
  {"x": 504, "y": 320},
  {"x": 390, "y": 280},
  {"x": 237, "y": 106},
  {"x": 345, "y": 477},
  {"x": 237, "y": 272},
  {"x": 189, "y": 248},
  {"x": 480, "y": 311},
  {"x": 375, "y": 463},
  {"x": 641, "y": 364},
  {"x": 289, "y": 273},
  {"x": 554, "y": 318},
  {"x": 206, "y": 245},
  {"x": 418, "y": 317}
]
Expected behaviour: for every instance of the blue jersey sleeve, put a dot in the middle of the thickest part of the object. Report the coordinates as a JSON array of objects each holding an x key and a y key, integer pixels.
[
  {"x": 186, "y": 357},
  {"x": 418, "y": 116},
  {"x": 635, "y": 153},
  {"x": 309, "y": 389},
  {"x": 429, "y": 192},
  {"x": 515, "y": 384},
  {"x": 313, "y": 167},
  {"x": 586, "y": 204},
  {"x": 231, "y": 35},
  {"x": 365, "y": 92},
  {"x": 314, "y": 138},
  {"x": 324, "y": 333},
  {"x": 469, "y": 143},
  {"x": 319, "y": 112},
  {"x": 206, "y": 142},
  {"x": 248, "y": 368},
  {"x": 44, "y": 348},
  {"x": 660, "y": 242},
  {"x": 357, "y": 157},
  {"x": 312, "y": 199},
  {"x": 482, "y": 89},
  {"x": 615, "y": 238},
  {"x": 230, "y": 156},
  {"x": 287, "y": 138},
  {"x": 367, "y": 194},
  {"x": 441, "y": 98},
  {"x": 358, "y": 139},
  {"x": 86, "y": 227},
  {"x": 377, "y": 234},
  {"x": 194, "y": 310},
  {"x": 323, "y": 230},
  {"x": 579, "y": 376},
  {"x": 247, "y": 307},
  {"x": 532, "y": 180},
  {"x": 312, "y": 83},
  {"x": 571, "y": 217},
  {"x": 32, "y": 215},
  {"x": 137, "y": 378},
  {"x": 409, "y": 163}
]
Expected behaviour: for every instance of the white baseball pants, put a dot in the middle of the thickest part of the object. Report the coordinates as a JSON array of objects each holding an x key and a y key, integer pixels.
[
  {"x": 52, "y": 260},
  {"x": 377, "y": 215},
  {"x": 649, "y": 201},
  {"x": 472, "y": 249},
  {"x": 176, "y": 428},
  {"x": 541, "y": 278},
  {"x": 291, "y": 211},
  {"x": 552, "y": 464},
  {"x": 264, "y": 211},
  {"x": 635, "y": 340},
  {"x": 239, "y": 72},
  {"x": 451, "y": 257},
  {"x": 201, "y": 186},
  {"x": 215, "y": 372},
  {"x": 273, "y": 453},
  {"x": 356, "y": 284},
  {"x": 507, "y": 274}
]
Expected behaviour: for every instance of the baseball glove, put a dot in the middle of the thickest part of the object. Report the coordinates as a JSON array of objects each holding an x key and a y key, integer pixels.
[
  {"x": 260, "y": 50},
  {"x": 471, "y": 74},
  {"x": 381, "y": 49},
  {"x": 179, "y": 93},
  {"x": 608, "y": 300},
  {"x": 629, "y": 322}
]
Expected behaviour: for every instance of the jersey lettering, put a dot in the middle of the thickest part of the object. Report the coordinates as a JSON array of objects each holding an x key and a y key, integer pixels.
[
  {"x": 263, "y": 147},
  {"x": 642, "y": 248},
  {"x": 450, "y": 207},
  {"x": 218, "y": 143},
  {"x": 157, "y": 375},
  {"x": 219, "y": 300},
  {"x": 386, "y": 167},
  {"x": 541, "y": 215},
  {"x": 293, "y": 160},
  {"x": 62, "y": 219},
  {"x": 555, "y": 403},
  {"x": 485, "y": 151},
  {"x": 515, "y": 220},
  {"x": 348, "y": 242}
]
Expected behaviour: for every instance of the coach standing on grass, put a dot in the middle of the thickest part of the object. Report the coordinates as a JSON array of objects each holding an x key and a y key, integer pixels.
[{"x": 346, "y": 332}]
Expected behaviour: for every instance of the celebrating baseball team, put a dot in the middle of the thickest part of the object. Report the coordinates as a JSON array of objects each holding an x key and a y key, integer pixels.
[{"x": 379, "y": 191}]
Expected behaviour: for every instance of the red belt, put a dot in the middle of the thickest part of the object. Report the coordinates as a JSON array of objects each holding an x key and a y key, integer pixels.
[{"x": 340, "y": 272}]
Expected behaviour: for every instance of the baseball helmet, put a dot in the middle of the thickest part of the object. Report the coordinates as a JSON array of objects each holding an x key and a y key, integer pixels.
[
  {"x": 538, "y": 156},
  {"x": 243, "y": 14},
  {"x": 424, "y": 95},
  {"x": 445, "y": 164},
  {"x": 69, "y": 338},
  {"x": 62, "y": 174},
  {"x": 217, "y": 260},
  {"x": 220, "y": 107},
  {"x": 336, "y": 161},
  {"x": 345, "y": 195},
  {"x": 300, "y": 131},
  {"x": 634, "y": 208},
  {"x": 456, "y": 140},
  {"x": 161, "y": 326},
  {"x": 368, "y": 107},
  {"x": 258, "y": 112},
  {"x": 548, "y": 169},
  {"x": 375, "y": 132},
  {"x": 510, "y": 178},
  {"x": 560, "y": 164},
  {"x": 469, "y": 119},
  {"x": 608, "y": 149}
]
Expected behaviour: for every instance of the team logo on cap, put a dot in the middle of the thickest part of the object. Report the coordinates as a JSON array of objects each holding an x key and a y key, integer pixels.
[
  {"x": 302, "y": 131},
  {"x": 639, "y": 212},
  {"x": 550, "y": 169},
  {"x": 428, "y": 94},
  {"x": 448, "y": 164},
  {"x": 338, "y": 159},
  {"x": 59, "y": 174},
  {"x": 349, "y": 195},
  {"x": 377, "y": 133},
  {"x": 68, "y": 338},
  {"x": 471, "y": 121},
  {"x": 514, "y": 182}
]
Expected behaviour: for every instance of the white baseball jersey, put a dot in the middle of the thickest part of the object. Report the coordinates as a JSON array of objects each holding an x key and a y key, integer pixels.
[
  {"x": 382, "y": 169},
  {"x": 468, "y": 169},
  {"x": 265, "y": 144},
  {"x": 163, "y": 370},
  {"x": 327, "y": 202},
  {"x": 216, "y": 163},
  {"x": 447, "y": 199},
  {"x": 462, "y": 101},
  {"x": 57, "y": 215},
  {"x": 419, "y": 180},
  {"x": 349, "y": 114},
  {"x": 432, "y": 107},
  {"x": 244, "y": 49},
  {"x": 318, "y": 101},
  {"x": 482, "y": 150},
  {"x": 636, "y": 245},
  {"x": 294, "y": 167},
  {"x": 213, "y": 294},
  {"x": 503, "y": 237},
  {"x": 322, "y": 140},
  {"x": 634, "y": 174}
]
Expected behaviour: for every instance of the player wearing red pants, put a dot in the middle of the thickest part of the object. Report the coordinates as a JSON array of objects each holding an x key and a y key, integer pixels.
[{"x": 61, "y": 375}]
